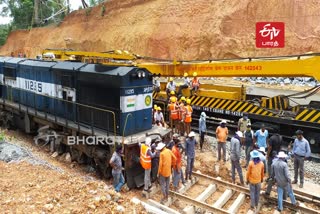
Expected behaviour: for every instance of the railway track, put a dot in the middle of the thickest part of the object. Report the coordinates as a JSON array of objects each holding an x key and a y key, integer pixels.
[{"x": 205, "y": 194}]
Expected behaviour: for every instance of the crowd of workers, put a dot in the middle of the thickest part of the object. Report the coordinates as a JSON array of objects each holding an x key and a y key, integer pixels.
[
  {"x": 163, "y": 159},
  {"x": 263, "y": 155}
]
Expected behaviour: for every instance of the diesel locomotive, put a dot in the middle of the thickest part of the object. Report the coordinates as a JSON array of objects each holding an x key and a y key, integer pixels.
[{"x": 81, "y": 101}]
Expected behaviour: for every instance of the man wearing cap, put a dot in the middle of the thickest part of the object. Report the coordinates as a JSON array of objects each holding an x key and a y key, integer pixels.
[
  {"x": 190, "y": 153},
  {"x": 187, "y": 118},
  {"x": 171, "y": 86},
  {"x": 235, "y": 154},
  {"x": 282, "y": 178},
  {"x": 181, "y": 113},
  {"x": 116, "y": 164},
  {"x": 185, "y": 84},
  {"x": 173, "y": 112},
  {"x": 254, "y": 177},
  {"x": 261, "y": 136},
  {"x": 145, "y": 160},
  {"x": 202, "y": 128},
  {"x": 270, "y": 180},
  {"x": 301, "y": 151},
  {"x": 177, "y": 167},
  {"x": 222, "y": 135},
  {"x": 158, "y": 117},
  {"x": 248, "y": 142},
  {"x": 195, "y": 84},
  {"x": 170, "y": 143},
  {"x": 154, "y": 110},
  {"x": 166, "y": 162},
  {"x": 243, "y": 122}
]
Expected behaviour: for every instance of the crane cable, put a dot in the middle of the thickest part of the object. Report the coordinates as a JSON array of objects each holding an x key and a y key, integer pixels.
[{"x": 306, "y": 93}]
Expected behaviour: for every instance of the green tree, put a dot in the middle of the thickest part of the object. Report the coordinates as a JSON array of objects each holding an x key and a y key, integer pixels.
[
  {"x": 22, "y": 12},
  {"x": 95, "y": 2},
  {"x": 4, "y": 31}
]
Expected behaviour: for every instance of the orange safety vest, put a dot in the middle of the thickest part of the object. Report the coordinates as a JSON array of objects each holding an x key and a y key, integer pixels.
[
  {"x": 182, "y": 111},
  {"x": 188, "y": 117},
  {"x": 173, "y": 111},
  {"x": 195, "y": 82},
  {"x": 145, "y": 159}
]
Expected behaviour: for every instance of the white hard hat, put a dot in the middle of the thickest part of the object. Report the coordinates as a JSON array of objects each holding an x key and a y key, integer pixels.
[
  {"x": 282, "y": 155},
  {"x": 239, "y": 133},
  {"x": 223, "y": 121},
  {"x": 160, "y": 146},
  {"x": 148, "y": 141},
  {"x": 192, "y": 134},
  {"x": 262, "y": 149}
]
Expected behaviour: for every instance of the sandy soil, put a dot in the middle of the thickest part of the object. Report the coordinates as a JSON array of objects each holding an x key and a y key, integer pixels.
[{"x": 28, "y": 188}]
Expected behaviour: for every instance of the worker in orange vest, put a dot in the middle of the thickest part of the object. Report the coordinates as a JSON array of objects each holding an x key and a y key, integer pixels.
[
  {"x": 195, "y": 84},
  {"x": 166, "y": 162},
  {"x": 181, "y": 113},
  {"x": 173, "y": 110},
  {"x": 172, "y": 94},
  {"x": 145, "y": 160},
  {"x": 188, "y": 117},
  {"x": 177, "y": 170}
]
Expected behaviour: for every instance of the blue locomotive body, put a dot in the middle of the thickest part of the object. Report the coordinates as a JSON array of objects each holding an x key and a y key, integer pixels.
[{"x": 98, "y": 96}]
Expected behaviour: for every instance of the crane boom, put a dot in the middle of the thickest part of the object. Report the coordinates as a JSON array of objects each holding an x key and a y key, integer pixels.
[
  {"x": 306, "y": 65},
  {"x": 298, "y": 66}
]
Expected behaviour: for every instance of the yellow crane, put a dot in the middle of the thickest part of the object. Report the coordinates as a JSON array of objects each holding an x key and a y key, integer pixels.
[{"x": 223, "y": 101}]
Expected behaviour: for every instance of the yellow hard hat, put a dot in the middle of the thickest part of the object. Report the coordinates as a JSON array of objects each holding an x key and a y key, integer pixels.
[
  {"x": 195, "y": 74},
  {"x": 188, "y": 101},
  {"x": 155, "y": 107},
  {"x": 159, "y": 108},
  {"x": 172, "y": 92},
  {"x": 185, "y": 74},
  {"x": 173, "y": 99},
  {"x": 170, "y": 79},
  {"x": 182, "y": 99}
]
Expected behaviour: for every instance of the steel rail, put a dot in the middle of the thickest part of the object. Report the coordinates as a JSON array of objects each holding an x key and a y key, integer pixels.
[
  {"x": 198, "y": 203},
  {"x": 231, "y": 186}
]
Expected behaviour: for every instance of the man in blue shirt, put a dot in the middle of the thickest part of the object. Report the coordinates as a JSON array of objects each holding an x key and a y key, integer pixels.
[
  {"x": 190, "y": 153},
  {"x": 301, "y": 151},
  {"x": 261, "y": 137}
]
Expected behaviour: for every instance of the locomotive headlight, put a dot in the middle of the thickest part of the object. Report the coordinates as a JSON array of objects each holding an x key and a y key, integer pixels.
[
  {"x": 312, "y": 141},
  {"x": 143, "y": 74},
  {"x": 139, "y": 75}
]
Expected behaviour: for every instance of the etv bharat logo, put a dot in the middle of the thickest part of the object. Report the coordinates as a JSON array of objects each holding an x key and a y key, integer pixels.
[{"x": 269, "y": 34}]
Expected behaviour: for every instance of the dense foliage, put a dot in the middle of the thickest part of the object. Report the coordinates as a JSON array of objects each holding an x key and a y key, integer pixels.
[
  {"x": 23, "y": 13},
  {"x": 4, "y": 31}
]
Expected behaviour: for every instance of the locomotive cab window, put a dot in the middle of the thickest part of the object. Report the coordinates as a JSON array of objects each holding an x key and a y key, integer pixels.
[{"x": 10, "y": 73}]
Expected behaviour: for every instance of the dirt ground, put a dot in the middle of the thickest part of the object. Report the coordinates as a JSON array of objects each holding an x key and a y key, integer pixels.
[
  {"x": 59, "y": 186},
  {"x": 29, "y": 188}
]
